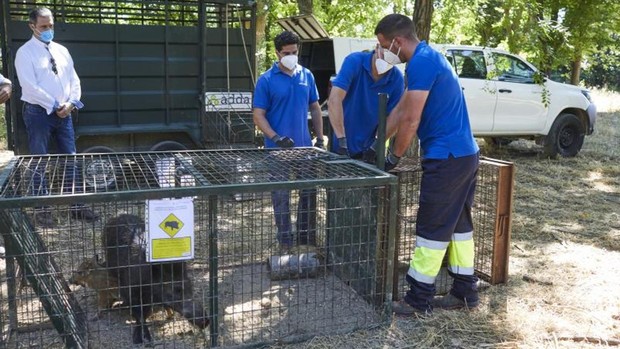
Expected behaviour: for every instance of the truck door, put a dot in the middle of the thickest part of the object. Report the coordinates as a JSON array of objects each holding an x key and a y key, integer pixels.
[
  {"x": 520, "y": 107},
  {"x": 480, "y": 96}
]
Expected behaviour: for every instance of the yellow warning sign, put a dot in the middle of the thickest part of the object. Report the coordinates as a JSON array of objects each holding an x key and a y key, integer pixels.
[
  {"x": 171, "y": 225},
  {"x": 171, "y": 248}
]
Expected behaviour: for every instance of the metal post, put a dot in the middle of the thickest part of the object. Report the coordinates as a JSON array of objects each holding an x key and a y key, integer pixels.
[
  {"x": 213, "y": 266},
  {"x": 381, "y": 128}
]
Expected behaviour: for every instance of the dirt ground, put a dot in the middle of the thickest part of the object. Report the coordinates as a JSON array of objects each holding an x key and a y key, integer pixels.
[{"x": 563, "y": 290}]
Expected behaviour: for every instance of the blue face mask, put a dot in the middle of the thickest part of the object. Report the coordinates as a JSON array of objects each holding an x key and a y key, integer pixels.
[{"x": 47, "y": 35}]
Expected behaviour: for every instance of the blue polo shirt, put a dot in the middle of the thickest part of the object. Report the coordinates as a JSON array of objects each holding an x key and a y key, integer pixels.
[
  {"x": 444, "y": 129},
  {"x": 361, "y": 104},
  {"x": 286, "y": 100}
]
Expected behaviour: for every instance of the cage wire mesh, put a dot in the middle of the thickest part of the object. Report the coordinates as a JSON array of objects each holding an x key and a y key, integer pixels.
[
  {"x": 490, "y": 213},
  {"x": 229, "y": 119},
  {"x": 60, "y": 286}
]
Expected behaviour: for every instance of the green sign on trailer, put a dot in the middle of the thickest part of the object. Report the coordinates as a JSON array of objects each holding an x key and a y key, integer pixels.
[{"x": 150, "y": 71}]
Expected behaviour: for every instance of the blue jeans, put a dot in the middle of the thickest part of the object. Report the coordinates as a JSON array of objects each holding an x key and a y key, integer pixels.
[
  {"x": 42, "y": 128},
  {"x": 306, "y": 216},
  {"x": 306, "y": 206}
]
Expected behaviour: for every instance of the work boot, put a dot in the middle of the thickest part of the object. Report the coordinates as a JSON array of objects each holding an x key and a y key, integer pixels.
[
  {"x": 451, "y": 302},
  {"x": 403, "y": 308},
  {"x": 83, "y": 212},
  {"x": 43, "y": 217}
]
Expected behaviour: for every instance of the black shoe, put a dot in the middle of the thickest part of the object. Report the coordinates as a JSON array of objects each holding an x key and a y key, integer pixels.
[
  {"x": 405, "y": 309},
  {"x": 83, "y": 212},
  {"x": 451, "y": 302},
  {"x": 43, "y": 217}
]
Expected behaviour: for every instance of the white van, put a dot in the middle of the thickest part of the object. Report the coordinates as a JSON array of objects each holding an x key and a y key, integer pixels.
[{"x": 503, "y": 101}]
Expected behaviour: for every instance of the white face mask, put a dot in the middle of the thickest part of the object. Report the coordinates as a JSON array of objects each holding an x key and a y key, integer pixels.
[
  {"x": 390, "y": 57},
  {"x": 289, "y": 61},
  {"x": 382, "y": 66}
]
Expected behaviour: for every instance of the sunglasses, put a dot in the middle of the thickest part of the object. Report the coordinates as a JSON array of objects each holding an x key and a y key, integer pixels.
[
  {"x": 52, "y": 61},
  {"x": 54, "y": 68}
]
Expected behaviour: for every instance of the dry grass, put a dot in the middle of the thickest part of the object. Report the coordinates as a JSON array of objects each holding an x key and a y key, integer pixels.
[
  {"x": 564, "y": 286},
  {"x": 565, "y": 259}
]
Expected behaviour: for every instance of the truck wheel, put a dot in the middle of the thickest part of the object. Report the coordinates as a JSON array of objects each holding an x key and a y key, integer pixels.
[
  {"x": 565, "y": 137},
  {"x": 99, "y": 173},
  {"x": 168, "y": 146}
]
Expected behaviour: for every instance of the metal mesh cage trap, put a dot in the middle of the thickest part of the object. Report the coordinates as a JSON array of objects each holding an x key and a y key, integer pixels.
[
  {"x": 76, "y": 283},
  {"x": 491, "y": 215}
]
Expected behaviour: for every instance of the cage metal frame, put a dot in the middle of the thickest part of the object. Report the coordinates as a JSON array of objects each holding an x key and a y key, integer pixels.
[
  {"x": 15, "y": 196},
  {"x": 492, "y": 216}
]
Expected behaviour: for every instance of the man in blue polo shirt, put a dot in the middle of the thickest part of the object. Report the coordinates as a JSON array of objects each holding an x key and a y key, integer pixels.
[
  {"x": 434, "y": 107},
  {"x": 354, "y": 102},
  {"x": 282, "y": 97}
]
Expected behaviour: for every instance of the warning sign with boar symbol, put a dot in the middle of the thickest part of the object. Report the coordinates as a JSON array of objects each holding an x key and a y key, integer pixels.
[{"x": 171, "y": 225}]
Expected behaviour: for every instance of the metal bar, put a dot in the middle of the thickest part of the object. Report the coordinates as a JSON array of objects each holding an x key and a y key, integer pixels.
[
  {"x": 392, "y": 243},
  {"x": 213, "y": 271},
  {"x": 381, "y": 128}
]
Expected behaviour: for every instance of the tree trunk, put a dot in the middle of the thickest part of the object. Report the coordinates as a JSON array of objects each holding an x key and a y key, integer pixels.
[
  {"x": 305, "y": 7},
  {"x": 422, "y": 14},
  {"x": 576, "y": 71}
]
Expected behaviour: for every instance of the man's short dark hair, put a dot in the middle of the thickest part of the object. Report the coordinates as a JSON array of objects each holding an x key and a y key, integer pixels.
[
  {"x": 394, "y": 25},
  {"x": 285, "y": 38},
  {"x": 39, "y": 12}
]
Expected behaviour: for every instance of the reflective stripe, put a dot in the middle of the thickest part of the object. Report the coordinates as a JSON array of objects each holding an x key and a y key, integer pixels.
[
  {"x": 461, "y": 254},
  {"x": 461, "y": 270},
  {"x": 421, "y": 277},
  {"x": 425, "y": 263},
  {"x": 463, "y": 236},
  {"x": 432, "y": 244}
]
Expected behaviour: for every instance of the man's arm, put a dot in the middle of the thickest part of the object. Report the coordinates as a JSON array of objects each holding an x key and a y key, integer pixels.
[
  {"x": 317, "y": 119},
  {"x": 28, "y": 83},
  {"x": 260, "y": 120},
  {"x": 76, "y": 87},
  {"x": 335, "y": 110},
  {"x": 408, "y": 113}
]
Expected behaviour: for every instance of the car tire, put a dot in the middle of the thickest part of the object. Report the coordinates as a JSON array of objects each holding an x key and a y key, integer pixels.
[
  {"x": 168, "y": 146},
  {"x": 99, "y": 173},
  {"x": 565, "y": 137}
]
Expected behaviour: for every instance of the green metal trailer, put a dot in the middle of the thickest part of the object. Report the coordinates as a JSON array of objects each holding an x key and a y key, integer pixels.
[{"x": 155, "y": 74}]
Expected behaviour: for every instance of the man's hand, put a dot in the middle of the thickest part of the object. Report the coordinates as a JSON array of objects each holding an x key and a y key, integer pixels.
[
  {"x": 391, "y": 161},
  {"x": 283, "y": 141},
  {"x": 5, "y": 92},
  {"x": 342, "y": 146},
  {"x": 64, "y": 110},
  {"x": 369, "y": 156}
]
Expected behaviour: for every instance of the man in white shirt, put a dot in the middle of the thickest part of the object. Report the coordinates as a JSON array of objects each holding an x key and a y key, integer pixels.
[
  {"x": 50, "y": 91},
  {"x": 5, "y": 89}
]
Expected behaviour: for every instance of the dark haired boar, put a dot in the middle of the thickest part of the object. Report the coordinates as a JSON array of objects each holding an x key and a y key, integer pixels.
[{"x": 145, "y": 285}]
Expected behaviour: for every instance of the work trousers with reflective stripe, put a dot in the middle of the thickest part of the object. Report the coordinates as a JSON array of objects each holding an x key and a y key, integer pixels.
[{"x": 444, "y": 224}]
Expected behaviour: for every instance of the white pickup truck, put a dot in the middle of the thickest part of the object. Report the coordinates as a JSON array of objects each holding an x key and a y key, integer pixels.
[
  {"x": 505, "y": 103},
  {"x": 503, "y": 100}
]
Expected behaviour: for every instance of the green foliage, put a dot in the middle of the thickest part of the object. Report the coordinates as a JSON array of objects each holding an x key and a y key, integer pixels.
[
  {"x": 603, "y": 70},
  {"x": 552, "y": 47}
]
